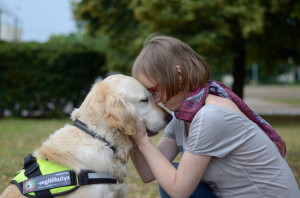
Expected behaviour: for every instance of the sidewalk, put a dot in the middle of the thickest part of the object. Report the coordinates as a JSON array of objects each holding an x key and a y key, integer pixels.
[
  {"x": 260, "y": 99},
  {"x": 263, "y": 107}
]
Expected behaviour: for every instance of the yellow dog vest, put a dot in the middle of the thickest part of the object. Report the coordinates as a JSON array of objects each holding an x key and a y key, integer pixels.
[
  {"x": 57, "y": 178},
  {"x": 42, "y": 178}
]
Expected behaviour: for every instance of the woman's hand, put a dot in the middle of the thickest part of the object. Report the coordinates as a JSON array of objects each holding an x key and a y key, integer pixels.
[{"x": 141, "y": 133}]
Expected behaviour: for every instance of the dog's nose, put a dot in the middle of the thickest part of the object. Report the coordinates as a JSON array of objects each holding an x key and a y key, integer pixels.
[{"x": 168, "y": 117}]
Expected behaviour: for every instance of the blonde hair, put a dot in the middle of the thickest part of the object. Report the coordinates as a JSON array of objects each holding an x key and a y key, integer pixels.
[{"x": 158, "y": 60}]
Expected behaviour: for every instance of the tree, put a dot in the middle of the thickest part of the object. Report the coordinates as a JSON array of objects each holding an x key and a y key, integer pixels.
[
  {"x": 113, "y": 21},
  {"x": 280, "y": 40},
  {"x": 227, "y": 33}
]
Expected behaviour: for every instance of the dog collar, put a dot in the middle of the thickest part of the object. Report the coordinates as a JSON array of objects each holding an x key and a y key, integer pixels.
[{"x": 84, "y": 127}]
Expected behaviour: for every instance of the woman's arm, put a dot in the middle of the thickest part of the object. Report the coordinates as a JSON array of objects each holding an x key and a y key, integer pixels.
[
  {"x": 166, "y": 146},
  {"x": 177, "y": 183}
]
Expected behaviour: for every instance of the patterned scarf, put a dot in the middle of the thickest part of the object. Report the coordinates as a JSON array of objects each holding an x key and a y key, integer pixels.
[{"x": 196, "y": 100}]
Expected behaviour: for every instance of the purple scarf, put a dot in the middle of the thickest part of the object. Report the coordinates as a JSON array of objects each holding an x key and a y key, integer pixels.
[{"x": 196, "y": 100}]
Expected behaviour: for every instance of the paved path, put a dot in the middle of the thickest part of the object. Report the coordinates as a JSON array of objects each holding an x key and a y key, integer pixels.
[
  {"x": 261, "y": 99},
  {"x": 264, "y": 107}
]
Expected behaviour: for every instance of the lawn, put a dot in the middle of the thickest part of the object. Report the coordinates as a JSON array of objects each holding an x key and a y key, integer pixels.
[{"x": 19, "y": 137}]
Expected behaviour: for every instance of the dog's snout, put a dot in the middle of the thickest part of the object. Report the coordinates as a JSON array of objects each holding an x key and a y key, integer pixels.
[{"x": 168, "y": 117}]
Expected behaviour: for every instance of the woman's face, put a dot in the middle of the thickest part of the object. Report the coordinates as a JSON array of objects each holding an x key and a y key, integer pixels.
[{"x": 173, "y": 104}]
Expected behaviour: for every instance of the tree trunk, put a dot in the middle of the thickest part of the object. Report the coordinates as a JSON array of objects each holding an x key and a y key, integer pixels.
[{"x": 239, "y": 64}]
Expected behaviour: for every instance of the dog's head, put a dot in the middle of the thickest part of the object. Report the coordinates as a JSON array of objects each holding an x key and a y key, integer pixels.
[{"x": 118, "y": 101}]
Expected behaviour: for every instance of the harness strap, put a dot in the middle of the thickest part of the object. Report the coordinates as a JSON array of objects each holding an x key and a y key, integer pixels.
[
  {"x": 31, "y": 167},
  {"x": 32, "y": 170},
  {"x": 86, "y": 177}
]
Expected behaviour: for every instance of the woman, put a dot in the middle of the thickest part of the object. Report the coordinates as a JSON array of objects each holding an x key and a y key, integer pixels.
[{"x": 222, "y": 142}]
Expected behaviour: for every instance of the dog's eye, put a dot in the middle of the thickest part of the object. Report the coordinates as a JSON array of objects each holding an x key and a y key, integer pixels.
[{"x": 145, "y": 100}]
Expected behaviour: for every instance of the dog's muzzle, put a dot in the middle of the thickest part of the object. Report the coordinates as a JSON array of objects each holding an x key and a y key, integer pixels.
[{"x": 168, "y": 117}]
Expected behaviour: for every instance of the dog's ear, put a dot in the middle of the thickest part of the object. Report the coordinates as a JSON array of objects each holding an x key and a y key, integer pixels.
[{"x": 120, "y": 114}]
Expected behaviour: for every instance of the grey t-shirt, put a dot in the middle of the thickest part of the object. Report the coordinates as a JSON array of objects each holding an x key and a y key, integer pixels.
[{"x": 245, "y": 162}]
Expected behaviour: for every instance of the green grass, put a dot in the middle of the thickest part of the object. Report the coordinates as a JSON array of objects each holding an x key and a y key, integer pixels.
[{"x": 19, "y": 137}]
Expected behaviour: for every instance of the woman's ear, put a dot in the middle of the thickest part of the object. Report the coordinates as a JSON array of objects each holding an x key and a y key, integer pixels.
[{"x": 120, "y": 114}]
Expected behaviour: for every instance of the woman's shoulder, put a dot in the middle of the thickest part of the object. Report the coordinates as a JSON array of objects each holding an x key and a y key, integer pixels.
[
  {"x": 224, "y": 103},
  {"x": 214, "y": 115}
]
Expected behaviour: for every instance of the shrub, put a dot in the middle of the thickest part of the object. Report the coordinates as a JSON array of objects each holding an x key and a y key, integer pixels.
[{"x": 41, "y": 80}]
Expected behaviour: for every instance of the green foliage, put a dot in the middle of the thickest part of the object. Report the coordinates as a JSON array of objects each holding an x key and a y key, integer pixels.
[
  {"x": 114, "y": 21},
  {"x": 280, "y": 39},
  {"x": 41, "y": 79},
  {"x": 230, "y": 34},
  {"x": 208, "y": 26},
  {"x": 213, "y": 28}
]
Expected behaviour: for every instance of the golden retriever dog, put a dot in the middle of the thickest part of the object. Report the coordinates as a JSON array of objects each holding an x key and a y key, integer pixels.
[{"x": 98, "y": 143}]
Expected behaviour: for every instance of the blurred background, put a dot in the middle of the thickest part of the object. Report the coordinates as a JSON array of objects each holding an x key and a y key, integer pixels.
[
  {"x": 51, "y": 52},
  {"x": 72, "y": 43}
]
